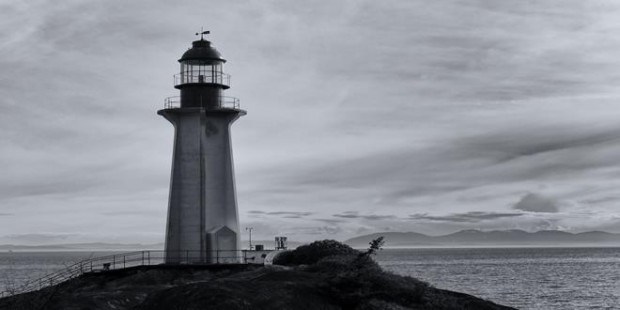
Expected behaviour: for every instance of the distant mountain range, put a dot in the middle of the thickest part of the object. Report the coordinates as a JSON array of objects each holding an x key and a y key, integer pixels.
[
  {"x": 467, "y": 238},
  {"x": 96, "y": 246},
  {"x": 463, "y": 238}
]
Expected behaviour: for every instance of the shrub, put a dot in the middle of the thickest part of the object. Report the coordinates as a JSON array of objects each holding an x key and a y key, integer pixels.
[
  {"x": 339, "y": 264},
  {"x": 283, "y": 258},
  {"x": 313, "y": 252},
  {"x": 353, "y": 278},
  {"x": 353, "y": 287},
  {"x": 376, "y": 245}
]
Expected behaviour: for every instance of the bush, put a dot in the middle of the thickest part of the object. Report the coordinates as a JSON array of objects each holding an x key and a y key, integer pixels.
[
  {"x": 339, "y": 264},
  {"x": 313, "y": 252},
  {"x": 283, "y": 258},
  {"x": 353, "y": 278},
  {"x": 352, "y": 287}
]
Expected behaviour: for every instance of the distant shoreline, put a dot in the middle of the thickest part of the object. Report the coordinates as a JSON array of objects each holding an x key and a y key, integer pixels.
[
  {"x": 499, "y": 247},
  {"x": 492, "y": 239},
  {"x": 393, "y": 240}
]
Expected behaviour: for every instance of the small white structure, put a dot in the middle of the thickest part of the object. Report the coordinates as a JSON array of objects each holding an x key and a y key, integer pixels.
[
  {"x": 224, "y": 243},
  {"x": 281, "y": 243}
]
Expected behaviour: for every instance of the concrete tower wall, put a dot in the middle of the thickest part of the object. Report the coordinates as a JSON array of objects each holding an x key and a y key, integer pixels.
[
  {"x": 202, "y": 190},
  {"x": 219, "y": 172}
]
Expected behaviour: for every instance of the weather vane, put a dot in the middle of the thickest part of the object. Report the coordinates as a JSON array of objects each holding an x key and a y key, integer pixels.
[{"x": 202, "y": 33}]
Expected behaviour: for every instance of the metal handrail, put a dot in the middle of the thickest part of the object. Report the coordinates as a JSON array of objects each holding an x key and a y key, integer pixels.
[
  {"x": 220, "y": 78},
  {"x": 172, "y": 102},
  {"x": 127, "y": 260},
  {"x": 225, "y": 102}
]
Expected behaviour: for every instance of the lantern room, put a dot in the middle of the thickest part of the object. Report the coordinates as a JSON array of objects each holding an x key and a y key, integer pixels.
[
  {"x": 202, "y": 79},
  {"x": 202, "y": 64}
]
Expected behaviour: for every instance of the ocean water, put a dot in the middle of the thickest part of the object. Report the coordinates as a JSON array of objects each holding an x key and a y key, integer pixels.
[
  {"x": 524, "y": 278},
  {"x": 18, "y": 267}
]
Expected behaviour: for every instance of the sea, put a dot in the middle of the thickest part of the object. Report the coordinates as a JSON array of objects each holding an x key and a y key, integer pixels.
[{"x": 524, "y": 278}]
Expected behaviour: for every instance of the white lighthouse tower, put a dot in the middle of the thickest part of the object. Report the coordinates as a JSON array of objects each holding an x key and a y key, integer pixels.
[{"x": 203, "y": 225}]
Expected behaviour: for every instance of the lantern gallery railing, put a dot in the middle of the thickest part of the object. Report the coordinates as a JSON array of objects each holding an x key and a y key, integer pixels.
[
  {"x": 206, "y": 78},
  {"x": 225, "y": 102},
  {"x": 127, "y": 260}
]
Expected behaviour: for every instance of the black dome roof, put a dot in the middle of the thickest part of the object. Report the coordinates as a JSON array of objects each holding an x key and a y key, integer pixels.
[{"x": 202, "y": 50}]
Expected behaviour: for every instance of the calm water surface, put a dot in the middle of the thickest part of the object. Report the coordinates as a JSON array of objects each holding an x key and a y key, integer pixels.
[
  {"x": 525, "y": 278},
  {"x": 18, "y": 267}
]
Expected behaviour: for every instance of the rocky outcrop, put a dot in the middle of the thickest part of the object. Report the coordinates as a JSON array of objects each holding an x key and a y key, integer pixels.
[{"x": 242, "y": 287}]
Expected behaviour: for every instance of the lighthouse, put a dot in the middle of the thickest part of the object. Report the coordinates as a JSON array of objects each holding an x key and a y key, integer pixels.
[{"x": 203, "y": 224}]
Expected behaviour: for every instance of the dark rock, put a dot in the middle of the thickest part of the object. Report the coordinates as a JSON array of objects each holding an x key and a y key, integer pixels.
[{"x": 245, "y": 287}]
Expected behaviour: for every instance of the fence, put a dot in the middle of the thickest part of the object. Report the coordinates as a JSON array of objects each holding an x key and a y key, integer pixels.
[
  {"x": 126, "y": 260},
  {"x": 225, "y": 102}
]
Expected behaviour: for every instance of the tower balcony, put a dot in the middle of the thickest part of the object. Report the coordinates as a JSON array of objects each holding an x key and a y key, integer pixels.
[
  {"x": 218, "y": 78},
  {"x": 224, "y": 103}
]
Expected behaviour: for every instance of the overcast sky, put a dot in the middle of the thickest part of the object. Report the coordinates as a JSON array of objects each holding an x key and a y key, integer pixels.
[{"x": 363, "y": 116}]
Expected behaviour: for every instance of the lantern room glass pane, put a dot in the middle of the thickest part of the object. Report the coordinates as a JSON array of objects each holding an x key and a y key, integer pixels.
[{"x": 201, "y": 72}]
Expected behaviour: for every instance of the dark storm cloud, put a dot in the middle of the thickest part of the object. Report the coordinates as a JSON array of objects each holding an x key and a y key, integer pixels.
[{"x": 469, "y": 217}]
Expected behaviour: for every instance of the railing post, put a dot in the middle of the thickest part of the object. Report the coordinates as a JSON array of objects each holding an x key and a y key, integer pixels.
[
  {"x": 217, "y": 256},
  {"x": 143, "y": 258},
  {"x": 124, "y": 266},
  {"x": 149, "y": 256}
]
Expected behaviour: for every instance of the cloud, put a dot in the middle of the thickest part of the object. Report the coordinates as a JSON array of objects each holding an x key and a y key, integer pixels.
[
  {"x": 283, "y": 214},
  {"x": 468, "y": 217},
  {"x": 601, "y": 200},
  {"x": 124, "y": 213},
  {"x": 331, "y": 221},
  {"x": 357, "y": 215},
  {"x": 43, "y": 238},
  {"x": 313, "y": 230},
  {"x": 537, "y": 203},
  {"x": 513, "y": 143}
]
